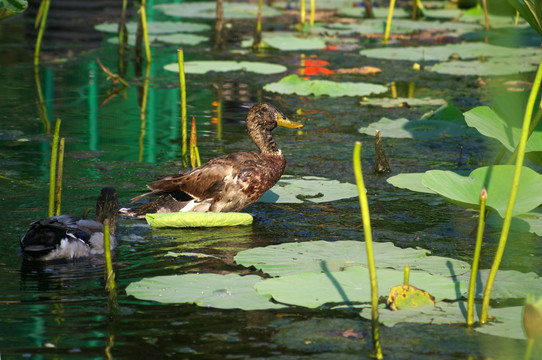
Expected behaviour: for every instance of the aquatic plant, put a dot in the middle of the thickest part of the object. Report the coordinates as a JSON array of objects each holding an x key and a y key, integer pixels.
[{"x": 182, "y": 85}]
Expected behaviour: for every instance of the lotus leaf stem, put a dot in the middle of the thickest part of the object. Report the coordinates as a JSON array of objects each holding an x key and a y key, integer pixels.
[
  {"x": 52, "y": 169},
  {"x": 369, "y": 248},
  {"x": 303, "y": 12},
  {"x": 182, "y": 83},
  {"x": 257, "y": 42},
  {"x": 60, "y": 167},
  {"x": 109, "y": 274},
  {"x": 41, "y": 102},
  {"x": 513, "y": 193},
  {"x": 143, "y": 112},
  {"x": 313, "y": 10},
  {"x": 476, "y": 258},
  {"x": 406, "y": 275},
  {"x": 388, "y": 22},
  {"x": 41, "y": 19}
]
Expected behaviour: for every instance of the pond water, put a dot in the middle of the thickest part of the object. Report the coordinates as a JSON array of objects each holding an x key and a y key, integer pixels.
[{"x": 60, "y": 310}]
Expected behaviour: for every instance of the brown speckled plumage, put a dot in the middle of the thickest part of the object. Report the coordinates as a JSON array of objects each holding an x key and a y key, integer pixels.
[{"x": 227, "y": 183}]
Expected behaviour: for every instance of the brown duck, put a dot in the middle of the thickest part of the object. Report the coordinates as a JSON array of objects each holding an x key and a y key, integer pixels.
[{"x": 227, "y": 183}]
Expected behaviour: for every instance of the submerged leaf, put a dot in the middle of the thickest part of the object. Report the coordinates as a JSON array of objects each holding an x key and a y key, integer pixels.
[
  {"x": 403, "y": 297},
  {"x": 293, "y": 84},
  {"x": 198, "y": 219}
]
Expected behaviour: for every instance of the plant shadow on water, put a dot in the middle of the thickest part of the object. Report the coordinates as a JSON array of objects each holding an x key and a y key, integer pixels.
[{"x": 60, "y": 310}]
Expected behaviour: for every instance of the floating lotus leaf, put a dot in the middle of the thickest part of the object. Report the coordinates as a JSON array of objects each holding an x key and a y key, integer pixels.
[
  {"x": 378, "y": 12},
  {"x": 443, "y": 52},
  {"x": 446, "y": 112},
  {"x": 398, "y": 26},
  {"x": 198, "y": 219},
  {"x": 316, "y": 256},
  {"x": 399, "y": 102},
  {"x": 507, "y": 322},
  {"x": 506, "y": 128},
  {"x": 293, "y": 84},
  {"x": 173, "y": 39},
  {"x": 290, "y": 189},
  {"x": 288, "y": 42},
  {"x": 476, "y": 15},
  {"x": 443, "y": 14},
  {"x": 497, "y": 179},
  {"x": 350, "y": 286},
  {"x": 229, "y": 291},
  {"x": 509, "y": 284},
  {"x": 207, "y": 10},
  {"x": 491, "y": 67},
  {"x": 416, "y": 129},
  {"x": 156, "y": 27},
  {"x": 202, "y": 67},
  {"x": 528, "y": 222}
]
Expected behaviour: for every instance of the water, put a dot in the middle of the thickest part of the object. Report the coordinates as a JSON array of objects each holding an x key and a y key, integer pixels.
[{"x": 61, "y": 311}]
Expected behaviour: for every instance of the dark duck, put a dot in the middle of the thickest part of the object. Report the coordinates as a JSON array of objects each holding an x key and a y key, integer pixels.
[
  {"x": 228, "y": 183},
  {"x": 68, "y": 237}
]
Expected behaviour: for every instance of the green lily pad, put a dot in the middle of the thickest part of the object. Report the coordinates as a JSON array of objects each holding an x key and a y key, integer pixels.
[
  {"x": 229, "y": 291},
  {"x": 411, "y": 181},
  {"x": 204, "y": 66},
  {"x": 293, "y": 84},
  {"x": 288, "y": 42},
  {"x": 446, "y": 112},
  {"x": 207, "y": 10},
  {"x": 442, "y": 14},
  {"x": 497, "y": 179},
  {"x": 156, "y": 27},
  {"x": 476, "y": 15},
  {"x": 172, "y": 39},
  {"x": 350, "y": 286},
  {"x": 465, "y": 51},
  {"x": 398, "y": 102},
  {"x": 378, "y": 12},
  {"x": 317, "y": 256},
  {"x": 506, "y": 128},
  {"x": 198, "y": 219},
  {"x": 528, "y": 222},
  {"x": 491, "y": 67},
  {"x": 506, "y": 322},
  {"x": 417, "y": 129},
  {"x": 509, "y": 284},
  {"x": 402, "y": 297},
  {"x": 290, "y": 189}
]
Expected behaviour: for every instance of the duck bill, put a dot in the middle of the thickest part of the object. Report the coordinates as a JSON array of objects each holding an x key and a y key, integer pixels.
[{"x": 287, "y": 123}]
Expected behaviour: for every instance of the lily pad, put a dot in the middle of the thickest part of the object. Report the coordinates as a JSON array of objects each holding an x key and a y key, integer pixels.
[
  {"x": 293, "y": 84},
  {"x": 156, "y": 27},
  {"x": 172, "y": 39},
  {"x": 290, "y": 189},
  {"x": 398, "y": 26},
  {"x": 509, "y": 284},
  {"x": 402, "y": 297},
  {"x": 528, "y": 222},
  {"x": 491, "y": 67},
  {"x": 497, "y": 179},
  {"x": 229, "y": 291},
  {"x": 378, "y": 12},
  {"x": 411, "y": 181},
  {"x": 198, "y": 219},
  {"x": 350, "y": 286},
  {"x": 417, "y": 129},
  {"x": 399, "y": 102},
  {"x": 288, "y": 42},
  {"x": 319, "y": 256},
  {"x": 465, "y": 51},
  {"x": 9, "y": 8},
  {"x": 207, "y": 10},
  {"x": 204, "y": 66}
]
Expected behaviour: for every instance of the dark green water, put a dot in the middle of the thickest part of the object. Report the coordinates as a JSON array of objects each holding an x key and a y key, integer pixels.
[{"x": 60, "y": 311}]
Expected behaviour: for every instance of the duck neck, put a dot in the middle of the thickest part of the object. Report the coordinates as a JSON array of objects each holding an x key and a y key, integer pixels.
[{"x": 265, "y": 142}]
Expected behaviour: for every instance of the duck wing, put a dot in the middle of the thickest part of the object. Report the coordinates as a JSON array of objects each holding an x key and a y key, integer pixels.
[
  {"x": 206, "y": 181},
  {"x": 46, "y": 234}
]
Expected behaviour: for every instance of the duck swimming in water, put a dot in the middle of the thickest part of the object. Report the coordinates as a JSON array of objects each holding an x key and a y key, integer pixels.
[
  {"x": 227, "y": 183},
  {"x": 68, "y": 237}
]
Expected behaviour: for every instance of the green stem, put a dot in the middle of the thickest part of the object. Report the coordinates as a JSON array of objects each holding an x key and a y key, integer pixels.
[
  {"x": 52, "y": 169},
  {"x": 303, "y": 12},
  {"x": 388, "y": 22},
  {"x": 182, "y": 83},
  {"x": 58, "y": 187},
  {"x": 476, "y": 258},
  {"x": 42, "y": 19},
  {"x": 369, "y": 246},
  {"x": 313, "y": 10},
  {"x": 529, "y": 349},
  {"x": 513, "y": 193},
  {"x": 145, "y": 32},
  {"x": 109, "y": 274}
]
